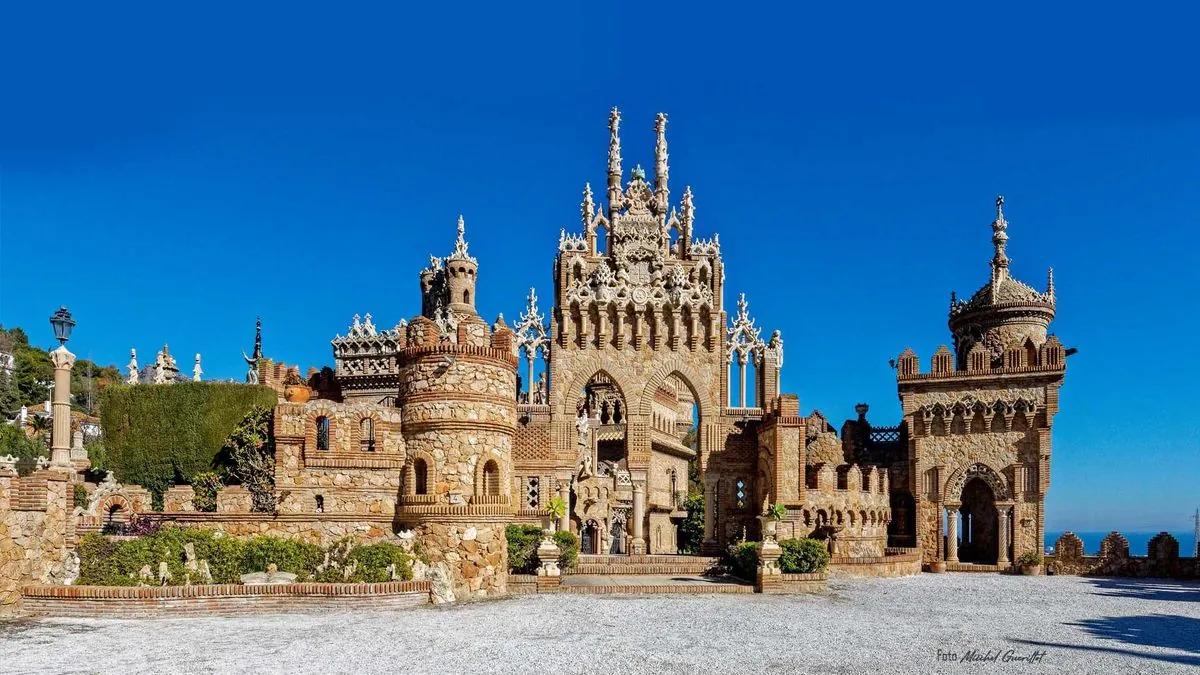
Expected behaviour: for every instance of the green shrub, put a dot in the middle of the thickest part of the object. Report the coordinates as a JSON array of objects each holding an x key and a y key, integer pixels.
[
  {"x": 289, "y": 555},
  {"x": 249, "y": 453},
  {"x": 205, "y": 486},
  {"x": 157, "y": 434},
  {"x": 802, "y": 556},
  {"x": 1029, "y": 558},
  {"x": 744, "y": 559},
  {"x": 371, "y": 563},
  {"x": 79, "y": 496},
  {"x": 523, "y": 541},
  {"x": 691, "y": 530}
]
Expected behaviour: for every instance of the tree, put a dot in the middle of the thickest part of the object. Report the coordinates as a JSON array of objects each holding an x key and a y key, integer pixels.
[
  {"x": 249, "y": 453},
  {"x": 691, "y": 530}
]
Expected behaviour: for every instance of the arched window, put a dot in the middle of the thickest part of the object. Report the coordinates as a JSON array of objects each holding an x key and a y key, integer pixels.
[
  {"x": 674, "y": 488},
  {"x": 491, "y": 478},
  {"x": 320, "y": 504},
  {"x": 366, "y": 435},
  {"x": 466, "y": 297},
  {"x": 420, "y": 477},
  {"x": 323, "y": 433}
]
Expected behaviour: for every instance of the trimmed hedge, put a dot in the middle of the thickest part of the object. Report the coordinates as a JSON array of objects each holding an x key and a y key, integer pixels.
[
  {"x": 523, "y": 541},
  {"x": 802, "y": 556},
  {"x": 743, "y": 559},
  {"x": 155, "y": 435},
  {"x": 104, "y": 561}
]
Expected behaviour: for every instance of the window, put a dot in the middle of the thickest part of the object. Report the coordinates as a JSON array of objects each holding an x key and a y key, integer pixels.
[
  {"x": 740, "y": 493},
  {"x": 674, "y": 489},
  {"x": 320, "y": 504},
  {"x": 323, "y": 433},
  {"x": 366, "y": 435},
  {"x": 466, "y": 297},
  {"x": 532, "y": 492},
  {"x": 491, "y": 478},
  {"x": 421, "y": 477}
]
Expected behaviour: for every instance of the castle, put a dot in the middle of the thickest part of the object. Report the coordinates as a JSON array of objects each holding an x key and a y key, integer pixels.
[{"x": 636, "y": 375}]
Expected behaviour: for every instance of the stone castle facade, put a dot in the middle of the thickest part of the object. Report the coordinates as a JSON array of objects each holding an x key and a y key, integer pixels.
[{"x": 637, "y": 373}]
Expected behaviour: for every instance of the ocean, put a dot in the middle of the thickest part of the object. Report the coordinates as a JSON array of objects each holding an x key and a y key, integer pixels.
[{"x": 1138, "y": 541}]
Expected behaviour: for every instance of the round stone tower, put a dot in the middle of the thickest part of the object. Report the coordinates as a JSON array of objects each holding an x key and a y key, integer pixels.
[
  {"x": 461, "y": 272},
  {"x": 459, "y": 416},
  {"x": 1005, "y": 314}
]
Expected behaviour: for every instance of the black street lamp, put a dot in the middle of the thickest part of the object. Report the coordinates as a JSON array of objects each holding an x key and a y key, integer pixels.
[{"x": 63, "y": 323}]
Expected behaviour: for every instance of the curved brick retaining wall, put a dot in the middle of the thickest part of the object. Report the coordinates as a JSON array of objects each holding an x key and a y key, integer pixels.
[
  {"x": 897, "y": 563},
  {"x": 128, "y": 602}
]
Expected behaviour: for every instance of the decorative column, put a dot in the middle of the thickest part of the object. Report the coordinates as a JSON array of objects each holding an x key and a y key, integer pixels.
[
  {"x": 60, "y": 435},
  {"x": 952, "y": 535},
  {"x": 710, "y": 511},
  {"x": 564, "y": 493},
  {"x": 638, "y": 546},
  {"x": 1004, "y": 512},
  {"x": 741, "y": 359}
]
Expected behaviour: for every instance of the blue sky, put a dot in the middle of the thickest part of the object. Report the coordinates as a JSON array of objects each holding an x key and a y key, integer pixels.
[{"x": 205, "y": 166}]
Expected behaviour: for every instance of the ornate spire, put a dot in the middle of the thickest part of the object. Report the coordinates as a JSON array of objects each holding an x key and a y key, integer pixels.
[
  {"x": 460, "y": 244},
  {"x": 688, "y": 208},
  {"x": 999, "y": 240},
  {"x": 614, "y": 153},
  {"x": 660, "y": 158},
  {"x": 742, "y": 338},
  {"x": 587, "y": 209},
  {"x": 1050, "y": 284}
]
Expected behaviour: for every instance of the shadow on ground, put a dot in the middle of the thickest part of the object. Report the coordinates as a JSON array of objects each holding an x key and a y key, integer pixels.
[
  {"x": 1148, "y": 589},
  {"x": 1167, "y": 631}
]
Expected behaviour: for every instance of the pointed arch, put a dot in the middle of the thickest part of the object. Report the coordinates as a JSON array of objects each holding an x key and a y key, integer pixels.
[{"x": 677, "y": 366}]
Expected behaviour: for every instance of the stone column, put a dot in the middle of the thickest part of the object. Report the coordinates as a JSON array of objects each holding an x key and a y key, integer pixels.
[
  {"x": 710, "y": 509},
  {"x": 60, "y": 435},
  {"x": 564, "y": 493},
  {"x": 952, "y": 535},
  {"x": 638, "y": 546},
  {"x": 1003, "y": 512},
  {"x": 530, "y": 383}
]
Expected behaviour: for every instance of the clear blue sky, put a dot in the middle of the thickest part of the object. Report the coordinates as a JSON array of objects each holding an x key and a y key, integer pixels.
[{"x": 208, "y": 165}]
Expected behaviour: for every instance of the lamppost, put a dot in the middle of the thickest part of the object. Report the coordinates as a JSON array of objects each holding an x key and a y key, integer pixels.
[{"x": 63, "y": 360}]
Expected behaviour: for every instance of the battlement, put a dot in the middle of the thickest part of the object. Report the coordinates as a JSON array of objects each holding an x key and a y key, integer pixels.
[{"x": 1049, "y": 357}]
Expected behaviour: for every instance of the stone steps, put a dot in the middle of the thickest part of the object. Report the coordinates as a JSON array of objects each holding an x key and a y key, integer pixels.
[
  {"x": 657, "y": 589},
  {"x": 643, "y": 564},
  {"x": 974, "y": 567}
]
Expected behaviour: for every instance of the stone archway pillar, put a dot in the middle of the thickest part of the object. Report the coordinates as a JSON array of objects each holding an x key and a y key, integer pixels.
[
  {"x": 1002, "y": 536},
  {"x": 638, "y": 545},
  {"x": 952, "y": 534},
  {"x": 710, "y": 511}
]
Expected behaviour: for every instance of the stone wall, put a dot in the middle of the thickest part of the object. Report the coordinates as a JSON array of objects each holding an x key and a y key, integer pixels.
[
  {"x": 36, "y": 531},
  {"x": 1161, "y": 560},
  {"x": 321, "y": 529},
  {"x": 476, "y": 553}
]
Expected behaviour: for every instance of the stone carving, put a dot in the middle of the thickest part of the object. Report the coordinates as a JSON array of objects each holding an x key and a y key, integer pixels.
[
  {"x": 132, "y": 367},
  {"x": 742, "y": 338},
  {"x": 583, "y": 428},
  {"x": 272, "y": 577},
  {"x": 196, "y": 371}
]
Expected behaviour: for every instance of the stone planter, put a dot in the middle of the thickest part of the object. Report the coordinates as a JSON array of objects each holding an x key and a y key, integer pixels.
[
  {"x": 297, "y": 393},
  {"x": 937, "y": 567},
  {"x": 1032, "y": 570}
]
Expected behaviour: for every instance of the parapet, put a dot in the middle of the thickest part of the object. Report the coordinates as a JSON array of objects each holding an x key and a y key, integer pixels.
[{"x": 1050, "y": 356}]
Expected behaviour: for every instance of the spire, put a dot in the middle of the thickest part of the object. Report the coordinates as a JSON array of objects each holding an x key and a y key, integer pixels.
[
  {"x": 688, "y": 208},
  {"x": 660, "y": 158},
  {"x": 460, "y": 244},
  {"x": 257, "y": 338},
  {"x": 614, "y": 156},
  {"x": 1050, "y": 284},
  {"x": 999, "y": 240},
  {"x": 587, "y": 208}
]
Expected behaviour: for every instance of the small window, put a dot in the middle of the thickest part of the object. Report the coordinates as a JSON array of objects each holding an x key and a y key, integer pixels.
[
  {"x": 421, "y": 477},
  {"x": 320, "y": 504},
  {"x": 674, "y": 488},
  {"x": 366, "y": 430},
  {"x": 491, "y": 478},
  {"x": 466, "y": 297},
  {"x": 323, "y": 433},
  {"x": 532, "y": 492}
]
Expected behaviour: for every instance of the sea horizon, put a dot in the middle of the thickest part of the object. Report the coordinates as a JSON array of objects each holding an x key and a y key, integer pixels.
[{"x": 1138, "y": 540}]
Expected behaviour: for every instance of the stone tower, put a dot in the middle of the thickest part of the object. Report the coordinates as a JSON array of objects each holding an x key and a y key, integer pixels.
[
  {"x": 978, "y": 424},
  {"x": 457, "y": 376}
]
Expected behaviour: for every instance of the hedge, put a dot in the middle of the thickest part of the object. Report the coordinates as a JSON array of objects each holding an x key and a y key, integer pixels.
[
  {"x": 104, "y": 561},
  {"x": 158, "y": 434},
  {"x": 799, "y": 556}
]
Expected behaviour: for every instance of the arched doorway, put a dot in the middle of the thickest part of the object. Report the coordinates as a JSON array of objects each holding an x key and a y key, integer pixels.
[
  {"x": 978, "y": 524},
  {"x": 589, "y": 539}
]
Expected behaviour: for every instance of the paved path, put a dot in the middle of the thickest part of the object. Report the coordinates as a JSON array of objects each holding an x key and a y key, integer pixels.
[{"x": 922, "y": 624}]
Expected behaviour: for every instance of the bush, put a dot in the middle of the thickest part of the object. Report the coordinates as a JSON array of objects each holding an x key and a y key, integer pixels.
[
  {"x": 249, "y": 452},
  {"x": 79, "y": 496},
  {"x": 205, "y": 486},
  {"x": 155, "y": 435},
  {"x": 1029, "y": 558},
  {"x": 691, "y": 530},
  {"x": 803, "y": 556},
  {"x": 523, "y": 541},
  {"x": 104, "y": 561},
  {"x": 744, "y": 559}
]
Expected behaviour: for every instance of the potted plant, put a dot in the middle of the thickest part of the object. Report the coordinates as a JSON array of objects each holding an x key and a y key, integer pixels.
[
  {"x": 1030, "y": 563},
  {"x": 770, "y": 519},
  {"x": 295, "y": 389},
  {"x": 556, "y": 508}
]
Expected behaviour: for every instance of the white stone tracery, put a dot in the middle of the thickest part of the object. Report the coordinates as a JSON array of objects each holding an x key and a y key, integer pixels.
[
  {"x": 532, "y": 335},
  {"x": 743, "y": 342}
]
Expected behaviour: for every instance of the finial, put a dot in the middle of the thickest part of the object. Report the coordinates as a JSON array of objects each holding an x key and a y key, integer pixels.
[
  {"x": 999, "y": 241},
  {"x": 660, "y": 157},
  {"x": 687, "y": 206},
  {"x": 638, "y": 173},
  {"x": 258, "y": 337},
  {"x": 614, "y": 153},
  {"x": 953, "y": 300},
  {"x": 587, "y": 208},
  {"x": 999, "y": 207},
  {"x": 1050, "y": 283},
  {"x": 460, "y": 243}
]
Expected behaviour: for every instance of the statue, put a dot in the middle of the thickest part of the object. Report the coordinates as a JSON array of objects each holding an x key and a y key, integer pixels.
[
  {"x": 541, "y": 394},
  {"x": 160, "y": 373},
  {"x": 252, "y": 361},
  {"x": 583, "y": 426},
  {"x": 196, "y": 371},
  {"x": 133, "y": 367}
]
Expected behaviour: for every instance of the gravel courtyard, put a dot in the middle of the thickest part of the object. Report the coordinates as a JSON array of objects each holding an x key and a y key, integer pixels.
[{"x": 886, "y": 625}]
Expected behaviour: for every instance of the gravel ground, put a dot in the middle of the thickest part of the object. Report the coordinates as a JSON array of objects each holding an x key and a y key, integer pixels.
[{"x": 884, "y": 625}]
